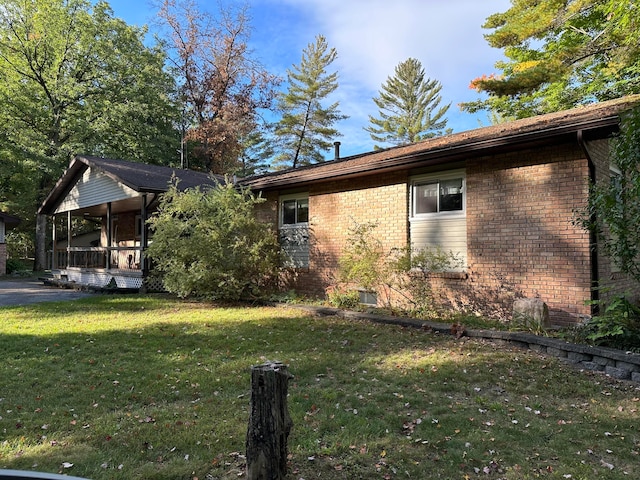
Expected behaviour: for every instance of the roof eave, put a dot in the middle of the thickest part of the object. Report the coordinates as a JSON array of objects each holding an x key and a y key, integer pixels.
[
  {"x": 112, "y": 175},
  {"x": 9, "y": 220},
  {"x": 77, "y": 167}
]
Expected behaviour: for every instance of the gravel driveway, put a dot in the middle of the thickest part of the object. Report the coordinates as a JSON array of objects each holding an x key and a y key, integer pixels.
[{"x": 25, "y": 291}]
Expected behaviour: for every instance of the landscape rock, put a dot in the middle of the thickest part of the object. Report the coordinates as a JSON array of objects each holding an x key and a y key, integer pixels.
[{"x": 531, "y": 313}]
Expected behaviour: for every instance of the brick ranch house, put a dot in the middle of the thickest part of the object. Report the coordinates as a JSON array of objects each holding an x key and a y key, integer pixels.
[{"x": 503, "y": 197}]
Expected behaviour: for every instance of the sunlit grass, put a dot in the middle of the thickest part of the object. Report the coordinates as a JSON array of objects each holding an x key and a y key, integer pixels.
[{"x": 149, "y": 387}]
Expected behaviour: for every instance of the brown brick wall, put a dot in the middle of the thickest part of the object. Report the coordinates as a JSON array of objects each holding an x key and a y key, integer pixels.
[
  {"x": 521, "y": 236},
  {"x": 334, "y": 208},
  {"x": 337, "y": 207}
]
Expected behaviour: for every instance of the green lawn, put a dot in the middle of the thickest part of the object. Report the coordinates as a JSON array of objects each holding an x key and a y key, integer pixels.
[{"x": 148, "y": 387}]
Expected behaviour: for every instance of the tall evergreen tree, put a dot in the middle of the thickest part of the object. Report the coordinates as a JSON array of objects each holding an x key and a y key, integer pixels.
[
  {"x": 409, "y": 106},
  {"x": 306, "y": 128},
  {"x": 560, "y": 54}
]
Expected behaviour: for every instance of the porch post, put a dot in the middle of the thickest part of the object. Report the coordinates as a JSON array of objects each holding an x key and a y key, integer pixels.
[
  {"x": 68, "y": 238},
  {"x": 54, "y": 237},
  {"x": 143, "y": 235},
  {"x": 108, "y": 265}
]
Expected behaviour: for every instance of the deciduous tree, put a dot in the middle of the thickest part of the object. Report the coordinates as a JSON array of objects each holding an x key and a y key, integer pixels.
[
  {"x": 222, "y": 85},
  {"x": 77, "y": 80},
  {"x": 306, "y": 128},
  {"x": 409, "y": 106},
  {"x": 560, "y": 54}
]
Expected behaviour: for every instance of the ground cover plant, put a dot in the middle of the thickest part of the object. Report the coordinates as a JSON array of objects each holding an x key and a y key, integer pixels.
[{"x": 142, "y": 387}]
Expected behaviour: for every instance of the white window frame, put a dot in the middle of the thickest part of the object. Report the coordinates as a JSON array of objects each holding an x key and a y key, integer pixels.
[
  {"x": 284, "y": 198},
  {"x": 436, "y": 178}
]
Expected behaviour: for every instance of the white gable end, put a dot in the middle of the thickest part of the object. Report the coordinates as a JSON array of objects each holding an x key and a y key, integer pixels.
[{"x": 94, "y": 188}]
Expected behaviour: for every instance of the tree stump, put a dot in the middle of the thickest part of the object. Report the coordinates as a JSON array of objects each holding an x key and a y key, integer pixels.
[{"x": 269, "y": 422}]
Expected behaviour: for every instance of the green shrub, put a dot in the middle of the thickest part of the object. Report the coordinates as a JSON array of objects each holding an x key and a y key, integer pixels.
[
  {"x": 617, "y": 327},
  {"x": 363, "y": 261},
  {"x": 403, "y": 274},
  {"x": 210, "y": 244},
  {"x": 15, "y": 265},
  {"x": 343, "y": 298},
  {"x": 413, "y": 271}
]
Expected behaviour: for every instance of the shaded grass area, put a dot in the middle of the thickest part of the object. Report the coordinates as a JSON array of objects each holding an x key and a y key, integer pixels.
[{"x": 152, "y": 388}]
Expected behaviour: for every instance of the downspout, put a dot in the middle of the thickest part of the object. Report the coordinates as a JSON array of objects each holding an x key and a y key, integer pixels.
[{"x": 593, "y": 236}]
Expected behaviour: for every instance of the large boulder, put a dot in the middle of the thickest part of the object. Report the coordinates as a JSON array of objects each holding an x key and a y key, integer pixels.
[{"x": 531, "y": 313}]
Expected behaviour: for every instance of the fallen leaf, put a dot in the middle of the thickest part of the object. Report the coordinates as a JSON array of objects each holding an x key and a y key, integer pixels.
[{"x": 607, "y": 465}]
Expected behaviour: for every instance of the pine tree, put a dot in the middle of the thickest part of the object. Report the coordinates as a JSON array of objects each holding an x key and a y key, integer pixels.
[
  {"x": 306, "y": 127},
  {"x": 559, "y": 55},
  {"x": 409, "y": 107}
]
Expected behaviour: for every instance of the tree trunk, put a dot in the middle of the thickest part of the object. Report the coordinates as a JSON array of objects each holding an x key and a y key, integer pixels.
[
  {"x": 40, "y": 262},
  {"x": 269, "y": 422}
]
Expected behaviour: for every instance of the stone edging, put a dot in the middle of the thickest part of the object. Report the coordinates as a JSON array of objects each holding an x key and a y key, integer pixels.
[{"x": 615, "y": 363}]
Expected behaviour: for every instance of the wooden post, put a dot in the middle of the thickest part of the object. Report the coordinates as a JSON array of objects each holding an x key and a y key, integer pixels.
[{"x": 269, "y": 422}]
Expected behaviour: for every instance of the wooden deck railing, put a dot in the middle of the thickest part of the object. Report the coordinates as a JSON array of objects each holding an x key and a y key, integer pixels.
[{"x": 121, "y": 258}]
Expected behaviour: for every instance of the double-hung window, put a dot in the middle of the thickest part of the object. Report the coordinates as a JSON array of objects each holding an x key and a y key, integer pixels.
[{"x": 294, "y": 229}]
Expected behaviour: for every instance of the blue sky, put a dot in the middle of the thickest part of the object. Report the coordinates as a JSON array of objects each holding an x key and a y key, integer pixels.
[{"x": 371, "y": 37}]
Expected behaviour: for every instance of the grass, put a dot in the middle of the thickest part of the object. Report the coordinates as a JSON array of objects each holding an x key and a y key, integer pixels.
[{"x": 152, "y": 388}]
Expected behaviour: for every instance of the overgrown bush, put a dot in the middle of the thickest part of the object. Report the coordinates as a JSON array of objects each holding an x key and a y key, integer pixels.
[
  {"x": 208, "y": 243},
  {"x": 363, "y": 261}
]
